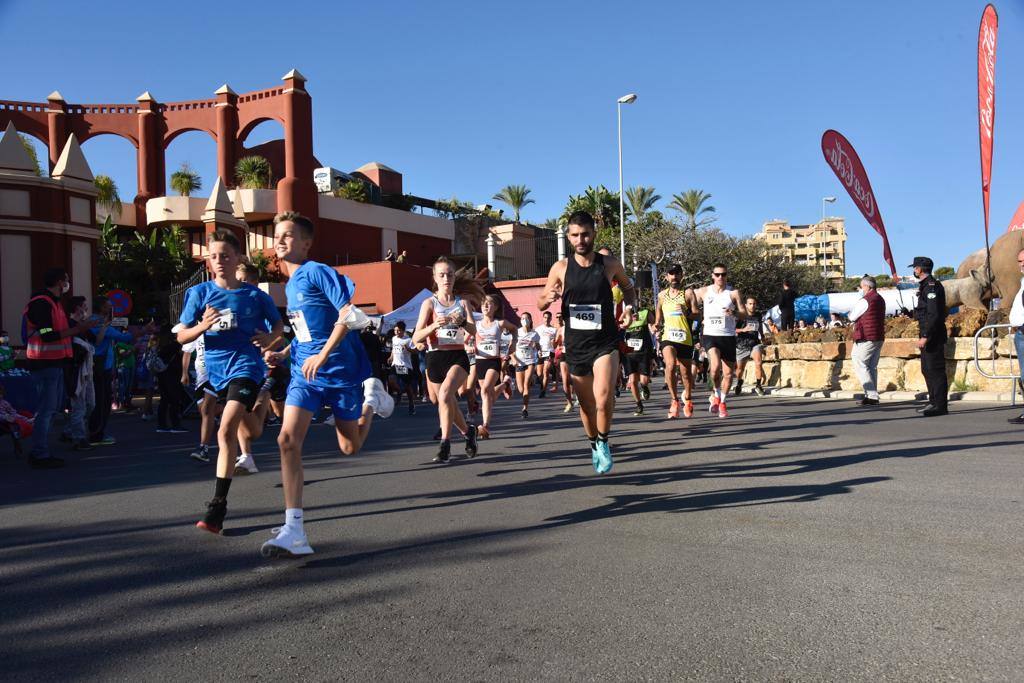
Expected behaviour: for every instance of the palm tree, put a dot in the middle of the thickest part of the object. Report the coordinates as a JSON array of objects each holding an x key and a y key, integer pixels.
[
  {"x": 691, "y": 204},
  {"x": 185, "y": 181},
  {"x": 31, "y": 151},
  {"x": 641, "y": 199},
  {"x": 253, "y": 173},
  {"x": 108, "y": 198},
  {"x": 353, "y": 190},
  {"x": 516, "y": 196}
]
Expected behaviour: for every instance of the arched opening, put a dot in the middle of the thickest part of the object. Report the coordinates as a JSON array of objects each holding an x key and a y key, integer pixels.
[
  {"x": 40, "y": 152},
  {"x": 114, "y": 156},
  {"x": 266, "y": 139},
  {"x": 199, "y": 151}
]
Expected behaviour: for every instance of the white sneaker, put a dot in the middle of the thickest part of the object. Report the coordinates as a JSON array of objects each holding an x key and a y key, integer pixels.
[
  {"x": 329, "y": 420},
  {"x": 355, "y": 319},
  {"x": 287, "y": 543},
  {"x": 246, "y": 463},
  {"x": 377, "y": 396}
]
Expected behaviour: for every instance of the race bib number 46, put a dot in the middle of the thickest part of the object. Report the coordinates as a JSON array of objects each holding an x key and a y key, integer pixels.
[
  {"x": 299, "y": 327},
  {"x": 585, "y": 316},
  {"x": 487, "y": 348}
]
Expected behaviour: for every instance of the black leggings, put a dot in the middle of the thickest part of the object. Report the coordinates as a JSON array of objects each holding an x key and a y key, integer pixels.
[{"x": 172, "y": 398}]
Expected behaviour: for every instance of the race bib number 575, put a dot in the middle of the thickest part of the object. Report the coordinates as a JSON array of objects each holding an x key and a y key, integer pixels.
[{"x": 585, "y": 316}]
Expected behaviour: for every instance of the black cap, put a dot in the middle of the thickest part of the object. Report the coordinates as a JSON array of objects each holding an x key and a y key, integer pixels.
[
  {"x": 922, "y": 262},
  {"x": 675, "y": 270}
]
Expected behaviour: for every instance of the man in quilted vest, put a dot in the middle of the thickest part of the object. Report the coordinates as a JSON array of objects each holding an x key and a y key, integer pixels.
[{"x": 868, "y": 315}]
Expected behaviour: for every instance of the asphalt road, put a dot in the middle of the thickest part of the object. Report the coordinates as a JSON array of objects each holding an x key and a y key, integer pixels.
[{"x": 795, "y": 540}]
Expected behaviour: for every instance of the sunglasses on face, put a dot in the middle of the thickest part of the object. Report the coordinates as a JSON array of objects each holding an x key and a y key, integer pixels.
[{"x": 718, "y": 274}]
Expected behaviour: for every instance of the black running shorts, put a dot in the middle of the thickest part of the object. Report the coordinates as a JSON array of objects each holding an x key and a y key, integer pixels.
[
  {"x": 241, "y": 389},
  {"x": 439, "y": 362},
  {"x": 485, "y": 364},
  {"x": 726, "y": 346},
  {"x": 638, "y": 362},
  {"x": 684, "y": 352},
  {"x": 581, "y": 363}
]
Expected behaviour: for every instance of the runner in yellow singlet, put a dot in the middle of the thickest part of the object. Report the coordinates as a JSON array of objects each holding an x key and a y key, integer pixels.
[{"x": 675, "y": 308}]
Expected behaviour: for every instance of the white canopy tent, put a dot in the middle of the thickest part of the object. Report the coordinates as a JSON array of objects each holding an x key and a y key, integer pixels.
[{"x": 408, "y": 312}]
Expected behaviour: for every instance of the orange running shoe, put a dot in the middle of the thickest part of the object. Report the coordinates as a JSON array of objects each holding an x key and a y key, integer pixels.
[
  {"x": 673, "y": 409},
  {"x": 482, "y": 432},
  {"x": 713, "y": 400},
  {"x": 722, "y": 412},
  {"x": 688, "y": 409}
]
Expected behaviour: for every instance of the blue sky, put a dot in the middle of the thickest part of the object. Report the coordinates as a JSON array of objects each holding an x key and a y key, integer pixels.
[{"x": 466, "y": 97}]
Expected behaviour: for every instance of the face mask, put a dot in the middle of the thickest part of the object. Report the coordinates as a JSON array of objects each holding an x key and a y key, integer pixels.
[
  {"x": 524, "y": 321},
  {"x": 65, "y": 288}
]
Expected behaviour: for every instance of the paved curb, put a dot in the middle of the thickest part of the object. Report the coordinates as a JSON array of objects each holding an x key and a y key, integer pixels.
[{"x": 836, "y": 394}]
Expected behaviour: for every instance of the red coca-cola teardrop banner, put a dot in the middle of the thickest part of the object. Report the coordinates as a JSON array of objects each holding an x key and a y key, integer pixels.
[
  {"x": 840, "y": 155},
  {"x": 987, "y": 99}
]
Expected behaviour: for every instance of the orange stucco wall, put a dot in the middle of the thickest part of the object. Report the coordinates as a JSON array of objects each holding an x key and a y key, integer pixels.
[{"x": 383, "y": 286}]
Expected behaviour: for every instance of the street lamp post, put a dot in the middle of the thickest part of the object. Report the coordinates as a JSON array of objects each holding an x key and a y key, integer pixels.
[
  {"x": 830, "y": 200},
  {"x": 824, "y": 265},
  {"x": 625, "y": 99}
]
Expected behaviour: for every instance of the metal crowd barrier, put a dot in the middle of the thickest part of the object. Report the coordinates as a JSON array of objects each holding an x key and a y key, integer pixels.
[{"x": 994, "y": 356}]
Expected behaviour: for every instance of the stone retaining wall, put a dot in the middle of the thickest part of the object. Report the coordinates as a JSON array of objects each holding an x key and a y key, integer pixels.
[{"x": 827, "y": 365}]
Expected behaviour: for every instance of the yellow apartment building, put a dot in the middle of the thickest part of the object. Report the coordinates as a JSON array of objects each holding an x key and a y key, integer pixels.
[{"x": 822, "y": 245}]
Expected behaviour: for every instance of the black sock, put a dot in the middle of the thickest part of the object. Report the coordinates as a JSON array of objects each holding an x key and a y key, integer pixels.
[
  {"x": 593, "y": 441},
  {"x": 221, "y": 489},
  {"x": 602, "y": 437}
]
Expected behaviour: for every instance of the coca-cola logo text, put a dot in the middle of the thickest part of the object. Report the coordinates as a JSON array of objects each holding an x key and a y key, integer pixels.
[
  {"x": 987, "y": 74},
  {"x": 840, "y": 161}
]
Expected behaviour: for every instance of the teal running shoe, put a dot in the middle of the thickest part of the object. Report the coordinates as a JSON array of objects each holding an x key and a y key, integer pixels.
[{"x": 602, "y": 458}]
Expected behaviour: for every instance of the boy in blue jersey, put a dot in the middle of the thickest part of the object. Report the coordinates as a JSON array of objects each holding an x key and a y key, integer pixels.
[
  {"x": 231, "y": 316},
  {"x": 329, "y": 368}
]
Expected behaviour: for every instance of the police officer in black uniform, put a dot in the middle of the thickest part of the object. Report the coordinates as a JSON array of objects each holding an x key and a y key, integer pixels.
[{"x": 931, "y": 320}]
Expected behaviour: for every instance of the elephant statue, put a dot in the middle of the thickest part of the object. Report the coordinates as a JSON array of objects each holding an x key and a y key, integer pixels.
[
  {"x": 1005, "y": 272},
  {"x": 973, "y": 291}
]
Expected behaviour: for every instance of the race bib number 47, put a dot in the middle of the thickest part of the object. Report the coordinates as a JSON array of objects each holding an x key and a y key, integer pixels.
[
  {"x": 585, "y": 316},
  {"x": 450, "y": 335}
]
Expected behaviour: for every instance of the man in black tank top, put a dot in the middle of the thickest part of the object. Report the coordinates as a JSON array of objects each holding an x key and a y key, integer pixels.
[{"x": 584, "y": 283}]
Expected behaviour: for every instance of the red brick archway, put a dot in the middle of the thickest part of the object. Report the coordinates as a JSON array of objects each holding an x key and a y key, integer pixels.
[{"x": 151, "y": 126}]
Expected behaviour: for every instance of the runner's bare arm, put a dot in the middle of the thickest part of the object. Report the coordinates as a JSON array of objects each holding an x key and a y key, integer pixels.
[
  {"x": 691, "y": 299},
  {"x": 470, "y": 324},
  {"x": 741, "y": 312},
  {"x": 423, "y": 329},
  {"x": 188, "y": 334},
  {"x": 553, "y": 287},
  {"x": 658, "y": 322},
  {"x": 695, "y": 302},
  {"x": 617, "y": 274}
]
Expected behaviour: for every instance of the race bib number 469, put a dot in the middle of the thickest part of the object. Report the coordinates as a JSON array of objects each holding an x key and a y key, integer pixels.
[{"x": 585, "y": 316}]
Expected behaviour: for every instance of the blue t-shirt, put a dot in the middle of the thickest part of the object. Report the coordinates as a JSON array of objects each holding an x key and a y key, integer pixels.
[
  {"x": 230, "y": 353},
  {"x": 315, "y": 294}
]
